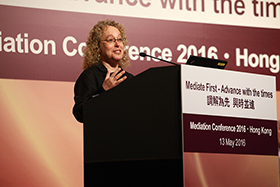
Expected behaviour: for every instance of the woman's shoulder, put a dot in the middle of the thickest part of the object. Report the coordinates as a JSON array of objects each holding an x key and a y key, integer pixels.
[
  {"x": 89, "y": 74},
  {"x": 94, "y": 70}
]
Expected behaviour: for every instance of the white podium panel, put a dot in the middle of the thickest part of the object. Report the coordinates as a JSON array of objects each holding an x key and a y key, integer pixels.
[{"x": 228, "y": 93}]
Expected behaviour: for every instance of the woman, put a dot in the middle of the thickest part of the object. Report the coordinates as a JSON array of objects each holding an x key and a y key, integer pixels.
[{"x": 105, "y": 57}]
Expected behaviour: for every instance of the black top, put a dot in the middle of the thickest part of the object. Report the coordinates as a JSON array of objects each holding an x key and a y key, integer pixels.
[{"x": 88, "y": 85}]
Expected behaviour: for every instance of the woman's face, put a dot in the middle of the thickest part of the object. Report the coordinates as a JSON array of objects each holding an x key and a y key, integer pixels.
[{"x": 111, "y": 49}]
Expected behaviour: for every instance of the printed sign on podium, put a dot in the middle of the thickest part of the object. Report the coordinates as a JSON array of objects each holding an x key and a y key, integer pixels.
[{"x": 229, "y": 128}]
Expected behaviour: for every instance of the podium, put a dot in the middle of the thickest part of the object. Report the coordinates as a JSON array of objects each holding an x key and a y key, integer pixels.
[
  {"x": 133, "y": 132},
  {"x": 150, "y": 130}
]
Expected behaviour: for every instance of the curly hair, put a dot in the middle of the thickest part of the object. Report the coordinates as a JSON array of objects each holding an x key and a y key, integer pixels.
[{"x": 91, "y": 52}]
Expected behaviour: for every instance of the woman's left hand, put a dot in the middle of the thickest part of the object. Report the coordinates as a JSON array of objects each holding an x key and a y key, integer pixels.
[{"x": 114, "y": 79}]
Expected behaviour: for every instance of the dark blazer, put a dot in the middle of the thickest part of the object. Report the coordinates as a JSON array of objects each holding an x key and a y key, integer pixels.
[{"x": 89, "y": 84}]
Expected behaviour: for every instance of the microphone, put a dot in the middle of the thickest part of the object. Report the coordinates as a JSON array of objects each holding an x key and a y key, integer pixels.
[{"x": 144, "y": 55}]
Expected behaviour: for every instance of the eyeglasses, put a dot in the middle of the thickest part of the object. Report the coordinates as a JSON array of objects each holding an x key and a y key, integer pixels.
[{"x": 113, "y": 40}]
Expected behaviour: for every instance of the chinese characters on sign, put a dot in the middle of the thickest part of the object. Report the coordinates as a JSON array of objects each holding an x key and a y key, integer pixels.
[{"x": 219, "y": 101}]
